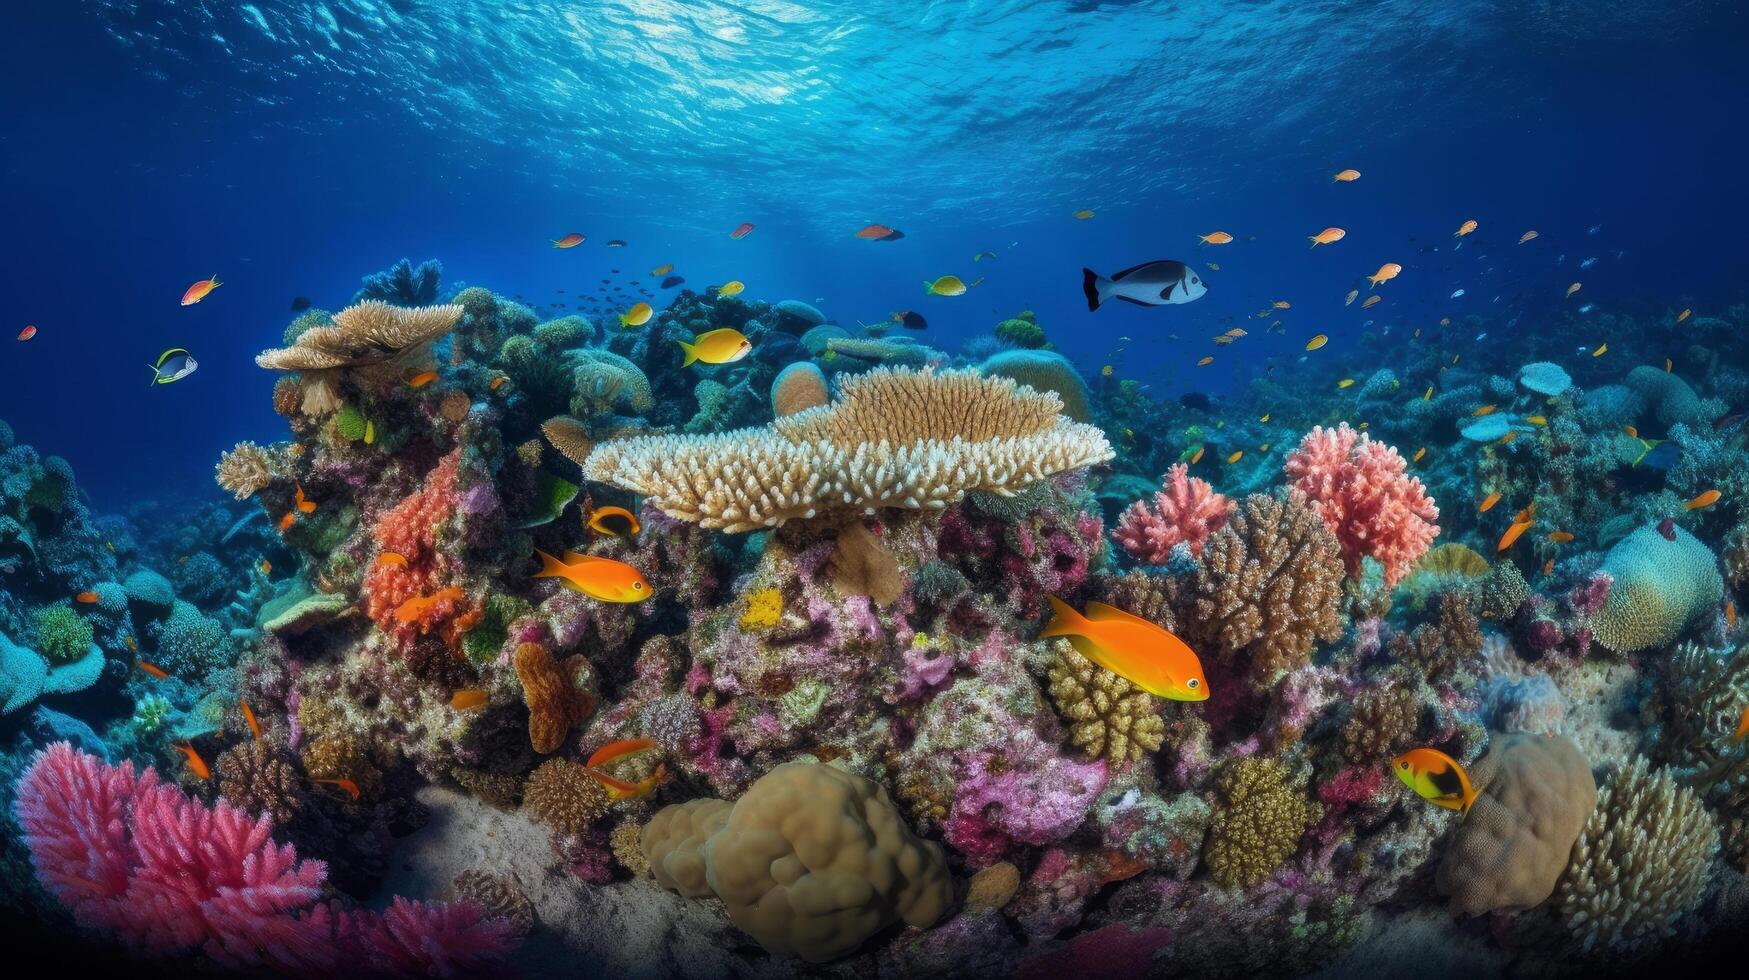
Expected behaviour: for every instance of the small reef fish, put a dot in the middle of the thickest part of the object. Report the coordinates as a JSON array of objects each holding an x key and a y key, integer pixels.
[
  {"x": 266, "y": 567},
  {"x": 571, "y": 240},
  {"x": 249, "y": 717},
  {"x": 1484, "y": 410},
  {"x": 1436, "y": 778},
  {"x": 672, "y": 281},
  {"x": 1572, "y": 289},
  {"x": 1132, "y": 648},
  {"x": 1345, "y": 383},
  {"x": 286, "y": 522},
  {"x": 415, "y": 608},
  {"x": 348, "y": 785},
  {"x": 86, "y": 597},
  {"x": 1630, "y": 432},
  {"x": 421, "y": 379},
  {"x": 619, "y": 749},
  {"x": 662, "y": 269},
  {"x": 151, "y": 669},
  {"x": 1742, "y": 727},
  {"x": 28, "y": 332},
  {"x": 1601, "y": 350},
  {"x": 1196, "y": 457},
  {"x": 981, "y": 256},
  {"x": 1527, "y": 236},
  {"x": 1731, "y": 613},
  {"x": 1488, "y": 502},
  {"x": 392, "y": 558},
  {"x": 1706, "y": 499},
  {"x": 1370, "y": 301},
  {"x": 1216, "y": 238},
  {"x": 910, "y": 320},
  {"x": 975, "y": 283},
  {"x": 1427, "y": 395},
  {"x": 1512, "y": 534},
  {"x": 742, "y": 230},
  {"x": 1419, "y": 454},
  {"x": 1560, "y": 537},
  {"x": 598, "y": 578},
  {"x": 468, "y": 699},
  {"x": 1327, "y": 237},
  {"x": 945, "y": 286},
  {"x": 1206, "y": 361},
  {"x": 1668, "y": 364},
  {"x": 1536, "y": 420},
  {"x": 723, "y": 345},
  {"x": 196, "y": 764},
  {"x": 199, "y": 290},
  {"x": 128, "y": 641},
  {"x": 880, "y": 233},
  {"x": 1685, "y": 314},
  {"x": 1387, "y": 272},
  {"x": 616, "y": 243},
  {"x": 1346, "y": 175},
  {"x": 1465, "y": 228},
  {"x": 1214, "y": 266},
  {"x": 637, "y": 316},
  {"x": 304, "y": 504},
  {"x": 1236, "y": 456},
  {"x": 599, "y": 517},
  {"x": 1349, "y": 299},
  {"x": 731, "y": 288},
  {"x": 1281, "y": 304},
  {"x": 1317, "y": 342},
  {"x": 497, "y": 382},
  {"x": 173, "y": 365},
  {"x": 1084, "y": 214},
  {"x": 619, "y": 789},
  {"x": 1162, "y": 282},
  {"x": 1456, "y": 294},
  {"x": 1548, "y": 568},
  {"x": 1667, "y": 528}
]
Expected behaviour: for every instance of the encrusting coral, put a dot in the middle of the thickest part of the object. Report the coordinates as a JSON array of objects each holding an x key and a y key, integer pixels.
[
  {"x": 913, "y": 440},
  {"x": 1107, "y": 715}
]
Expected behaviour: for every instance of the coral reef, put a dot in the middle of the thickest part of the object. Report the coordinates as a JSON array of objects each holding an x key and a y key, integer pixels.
[{"x": 1360, "y": 489}]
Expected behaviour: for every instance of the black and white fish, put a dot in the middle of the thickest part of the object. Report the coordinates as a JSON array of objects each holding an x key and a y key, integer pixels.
[
  {"x": 173, "y": 365},
  {"x": 1162, "y": 282}
]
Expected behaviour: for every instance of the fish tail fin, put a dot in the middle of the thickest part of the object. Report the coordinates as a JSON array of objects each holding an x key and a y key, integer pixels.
[
  {"x": 154, "y": 369},
  {"x": 550, "y": 567},
  {"x": 1090, "y": 285},
  {"x": 691, "y": 353},
  {"x": 1065, "y": 621}
]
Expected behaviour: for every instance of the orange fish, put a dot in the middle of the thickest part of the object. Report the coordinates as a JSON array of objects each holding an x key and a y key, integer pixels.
[
  {"x": 1387, "y": 272},
  {"x": 1730, "y": 614},
  {"x": 1683, "y": 315},
  {"x": 569, "y": 241},
  {"x": 266, "y": 567},
  {"x": 1132, "y": 648},
  {"x": 1196, "y": 457},
  {"x": 421, "y": 379},
  {"x": 742, "y": 230},
  {"x": 1344, "y": 176},
  {"x": 498, "y": 382},
  {"x": 1484, "y": 410},
  {"x": 305, "y": 504},
  {"x": 285, "y": 522},
  {"x": 1560, "y": 537},
  {"x": 1436, "y": 778},
  {"x": 599, "y": 578},
  {"x": 1236, "y": 456},
  {"x": 1631, "y": 432},
  {"x": 392, "y": 558},
  {"x": 28, "y": 332},
  {"x": 1216, "y": 238},
  {"x": 874, "y": 232},
  {"x": 196, "y": 764},
  {"x": 348, "y": 785},
  {"x": 1527, "y": 236},
  {"x": 1206, "y": 361},
  {"x": 468, "y": 699},
  {"x": 198, "y": 291},
  {"x": 623, "y": 747},
  {"x": 1370, "y": 301},
  {"x": 1512, "y": 534},
  {"x": 619, "y": 789},
  {"x": 1488, "y": 502},
  {"x": 1548, "y": 568},
  {"x": 1327, "y": 236},
  {"x": 86, "y": 597},
  {"x": 1706, "y": 499},
  {"x": 249, "y": 716},
  {"x": 597, "y": 520},
  {"x": 1508, "y": 437},
  {"x": 1465, "y": 228},
  {"x": 1526, "y": 515},
  {"x": 151, "y": 669},
  {"x": 415, "y": 608}
]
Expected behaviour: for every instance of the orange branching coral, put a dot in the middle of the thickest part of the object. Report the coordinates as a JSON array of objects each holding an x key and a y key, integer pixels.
[
  {"x": 414, "y": 595},
  {"x": 557, "y": 694}
]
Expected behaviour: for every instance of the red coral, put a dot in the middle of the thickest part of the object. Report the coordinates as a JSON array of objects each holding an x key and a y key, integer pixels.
[
  {"x": 166, "y": 876},
  {"x": 409, "y": 529},
  {"x": 1360, "y": 489},
  {"x": 1186, "y": 509}
]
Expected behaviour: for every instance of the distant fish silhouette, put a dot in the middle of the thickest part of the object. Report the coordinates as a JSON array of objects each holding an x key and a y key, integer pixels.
[
  {"x": 300, "y": 304},
  {"x": 672, "y": 281}
]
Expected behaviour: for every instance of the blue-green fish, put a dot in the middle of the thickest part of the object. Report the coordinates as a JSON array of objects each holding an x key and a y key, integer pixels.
[{"x": 173, "y": 365}]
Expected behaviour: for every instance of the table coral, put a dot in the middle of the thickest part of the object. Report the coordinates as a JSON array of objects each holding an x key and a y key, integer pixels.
[
  {"x": 1360, "y": 489},
  {"x": 1107, "y": 715},
  {"x": 1186, "y": 510},
  {"x": 1258, "y": 821}
]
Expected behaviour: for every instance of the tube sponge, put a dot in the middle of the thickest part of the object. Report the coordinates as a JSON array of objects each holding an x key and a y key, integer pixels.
[
  {"x": 810, "y": 862},
  {"x": 1657, "y": 587}
]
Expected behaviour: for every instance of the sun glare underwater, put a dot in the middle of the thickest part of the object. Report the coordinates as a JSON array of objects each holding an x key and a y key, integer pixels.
[{"x": 812, "y": 488}]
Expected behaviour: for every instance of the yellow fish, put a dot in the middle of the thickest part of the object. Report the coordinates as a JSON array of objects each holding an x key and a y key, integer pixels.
[
  {"x": 1427, "y": 396},
  {"x": 637, "y": 316},
  {"x": 1536, "y": 420},
  {"x": 731, "y": 288},
  {"x": 1418, "y": 454},
  {"x": 1264, "y": 417},
  {"x": 1484, "y": 410},
  {"x": 1465, "y": 228},
  {"x": 1327, "y": 237},
  {"x": 945, "y": 286},
  {"x": 1237, "y": 455},
  {"x": 1205, "y": 362},
  {"x": 723, "y": 345},
  {"x": 1345, "y": 382},
  {"x": 1196, "y": 457},
  {"x": 1346, "y": 175},
  {"x": 1436, "y": 778},
  {"x": 1216, "y": 238},
  {"x": 1105, "y": 371},
  {"x": 599, "y": 578},
  {"x": 1084, "y": 214},
  {"x": 1601, "y": 350},
  {"x": 1317, "y": 342},
  {"x": 1215, "y": 266},
  {"x": 662, "y": 269},
  {"x": 1667, "y": 365},
  {"x": 1282, "y": 304},
  {"x": 1132, "y": 648},
  {"x": 1683, "y": 315}
]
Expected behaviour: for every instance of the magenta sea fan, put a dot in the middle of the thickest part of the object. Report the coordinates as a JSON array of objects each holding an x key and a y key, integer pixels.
[
  {"x": 1363, "y": 493},
  {"x": 165, "y": 875},
  {"x": 1185, "y": 510}
]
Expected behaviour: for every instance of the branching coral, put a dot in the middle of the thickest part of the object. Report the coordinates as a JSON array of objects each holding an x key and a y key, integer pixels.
[
  {"x": 410, "y": 530},
  {"x": 915, "y": 440},
  {"x": 1360, "y": 489},
  {"x": 1380, "y": 721},
  {"x": 244, "y": 469},
  {"x": 1441, "y": 647},
  {"x": 1640, "y": 864},
  {"x": 1257, "y": 823},
  {"x": 1186, "y": 511},
  {"x": 1107, "y": 715}
]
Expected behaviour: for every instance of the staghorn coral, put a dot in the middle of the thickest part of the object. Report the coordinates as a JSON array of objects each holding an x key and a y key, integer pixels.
[
  {"x": 562, "y": 794},
  {"x": 915, "y": 440},
  {"x": 1186, "y": 510},
  {"x": 1640, "y": 864},
  {"x": 558, "y": 695},
  {"x": 244, "y": 469},
  {"x": 810, "y": 862},
  {"x": 1535, "y": 793},
  {"x": 1360, "y": 489},
  {"x": 1107, "y": 715},
  {"x": 1657, "y": 587},
  {"x": 1257, "y": 823}
]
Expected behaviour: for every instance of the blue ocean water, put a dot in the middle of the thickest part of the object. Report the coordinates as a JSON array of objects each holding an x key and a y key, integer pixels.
[{"x": 291, "y": 147}]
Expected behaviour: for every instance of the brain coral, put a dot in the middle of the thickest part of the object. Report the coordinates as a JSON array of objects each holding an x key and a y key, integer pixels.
[
  {"x": 1045, "y": 371},
  {"x": 1640, "y": 864},
  {"x": 1257, "y": 823},
  {"x": 1536, "y": 792},
  {"x": 1657, "y": 587},
  {"x": 914, "y": 440},
  {"x": 1360, "y": 489},
  {"x": 1669, "y": 397},
  {"x": 810, "y": 862}
]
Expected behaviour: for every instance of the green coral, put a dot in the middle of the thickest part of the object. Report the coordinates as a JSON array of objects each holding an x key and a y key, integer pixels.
[
  {"x": 566, "y": 331},
  {"x": 1657, "y": 588},
  {"x": 713, "y": 408},
  {"x": 349, "y": 422},
  {"x": 189, "y": 643},
  {"x": 1257, "y": 825},
  {"x": 1022, "y": 331},
  {"x": 150, "y": 713},
  {"x": 307, "y": 320},
  {"x": 496, "y": 614},
  {"x": 551, "y": 496},
  {"x": 62, "y": 635},
  {"x": 518, "y": 351}
]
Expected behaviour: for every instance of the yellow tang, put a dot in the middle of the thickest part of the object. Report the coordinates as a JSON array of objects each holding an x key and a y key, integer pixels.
[
  {"x": 1132, "y": 648},
  {"x": 1236, "y": 455},
  {"x": 1419, "y": 453},
  {"x": 637, "y": 316},
  {"x": 1436, "y": 778},
  {"x": 723, "y": 345},
  {"x": 946, "y": 286},
  {"x": 1317, "y": 342},
  {"x": 731, "y": 288},
  {"x": 1345, "y": 382},
  {"x": 1601, "y": 350}
]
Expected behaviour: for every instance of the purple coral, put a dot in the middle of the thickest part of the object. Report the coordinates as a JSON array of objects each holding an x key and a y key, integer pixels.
[{"x": 1023, "y": 794}]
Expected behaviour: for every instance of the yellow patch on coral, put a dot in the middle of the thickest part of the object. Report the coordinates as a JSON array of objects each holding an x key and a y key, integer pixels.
[{"x": 764, "y": 607}]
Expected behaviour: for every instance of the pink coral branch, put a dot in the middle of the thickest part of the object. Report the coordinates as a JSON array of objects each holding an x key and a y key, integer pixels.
[
  {"x": 1361, "y": 490},
  {"x": 1186, "y": 510}
]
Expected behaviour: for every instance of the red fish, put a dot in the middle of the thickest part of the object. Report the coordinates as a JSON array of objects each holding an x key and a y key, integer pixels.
[
  {"x": 468, "y": 698},
  {"x": 619, "y": 789},
  {"x": 880, "y": 233},
  {"x": 421, "y": 379},
  {"x": 199, "y": 290},
  {"x": 569, "y": 241},
  {"x": 249, "y": 716},
  {"x": 415, "y": 608},
  {"x": 285, "y": 522},
  {"x": 86, "y": 597},
  {"x": 28, "y": 332},
  {"x": 742, "y": 230},
  {"x": 348, "y": 785},
  {"x": 196, "y": 764},
  {"x": 151, "y": 668},
  {"x": 305, "y": 504},
  {"x": 615, "y": 750}
]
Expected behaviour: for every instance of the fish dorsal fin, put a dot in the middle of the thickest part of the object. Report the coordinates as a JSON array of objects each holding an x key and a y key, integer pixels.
[
  {"x": 573, "y": 558},
  {"x": 166, "y": 355},
  {"x": 1099, "y": 612},
  {"x": 1122, "y": 273}
]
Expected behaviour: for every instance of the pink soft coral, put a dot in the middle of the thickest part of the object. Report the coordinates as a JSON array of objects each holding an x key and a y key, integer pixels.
[
  {"x": 1360, "y": 489},
  {"x": 166, "y": 875},
  {"x": 1185, "y": 510},
  {"x": 409, "y": 529}
]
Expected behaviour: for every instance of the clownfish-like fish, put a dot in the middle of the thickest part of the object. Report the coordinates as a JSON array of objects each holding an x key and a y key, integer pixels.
[{"x": 1436, "y": 778}]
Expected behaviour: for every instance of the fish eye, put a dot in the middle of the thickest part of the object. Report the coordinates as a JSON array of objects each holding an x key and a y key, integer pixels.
[
  {"x": 1193, "y": 683},
  {"x": 637, "y": 586},
  {"x": 1194, "y": 281},
  {"x": 1402, "y": 765}
]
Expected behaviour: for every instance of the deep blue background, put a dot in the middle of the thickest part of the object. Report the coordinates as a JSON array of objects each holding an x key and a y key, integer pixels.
[{"x": 126, "y": 174}]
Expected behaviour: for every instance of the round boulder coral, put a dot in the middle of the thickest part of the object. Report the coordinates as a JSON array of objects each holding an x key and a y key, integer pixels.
[{"x": 1657, "y": 587}]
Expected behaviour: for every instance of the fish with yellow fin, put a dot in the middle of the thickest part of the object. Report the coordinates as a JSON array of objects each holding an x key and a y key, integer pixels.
[
  {"x": 1132, "y": 648},
  {"x": 599, "y": 516},
  {"x": 1436, "y": 778},
  {"x": 724, "y": 345},
  {"x": 598, "y": 578}
]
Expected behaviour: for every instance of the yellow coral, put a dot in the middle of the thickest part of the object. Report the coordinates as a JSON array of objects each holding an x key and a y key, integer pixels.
[
  {"x": 1257, "y": 825},
  {"x": 1108, "y": 716},
  {"x": 244, "y": 469},
  {"x": 763, "y": 609}
]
